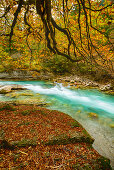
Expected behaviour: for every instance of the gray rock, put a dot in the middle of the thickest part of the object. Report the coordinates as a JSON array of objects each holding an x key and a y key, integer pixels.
[
  {"x": 8, "y": 88},
  {"x": 106, "y": 87},
  {"x": 72, "y": 81},
  {"x": 19, "y": 74},
  {"x": 17, "y": 87},
  {"x": 5, "y": 89}
]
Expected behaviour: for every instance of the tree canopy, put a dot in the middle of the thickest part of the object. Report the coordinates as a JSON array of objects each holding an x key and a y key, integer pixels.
[{"x": 79, "y": 30}]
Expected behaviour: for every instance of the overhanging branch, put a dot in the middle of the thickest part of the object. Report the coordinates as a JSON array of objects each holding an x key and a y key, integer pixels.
[{"x": 15, "y": 18}]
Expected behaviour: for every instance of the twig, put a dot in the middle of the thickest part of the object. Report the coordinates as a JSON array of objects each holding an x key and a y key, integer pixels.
[
  {"x": 54, "y": 167},
  {"x": 23, "y": 152}
]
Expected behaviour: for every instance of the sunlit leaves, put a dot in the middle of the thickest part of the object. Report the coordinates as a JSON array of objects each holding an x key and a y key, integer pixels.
[{"x": 31, "y": 42}]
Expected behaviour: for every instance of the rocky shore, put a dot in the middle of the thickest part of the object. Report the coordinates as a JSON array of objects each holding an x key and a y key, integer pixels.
[
  {"x": 82, "y": 82},
  {"x": 75, "y": 81}
]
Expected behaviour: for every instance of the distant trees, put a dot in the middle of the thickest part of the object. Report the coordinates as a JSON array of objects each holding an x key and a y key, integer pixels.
[{"x": 76, "y": 29}]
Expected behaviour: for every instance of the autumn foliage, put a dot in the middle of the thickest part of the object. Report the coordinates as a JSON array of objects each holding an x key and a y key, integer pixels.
[{"x": 80, "y": 31}]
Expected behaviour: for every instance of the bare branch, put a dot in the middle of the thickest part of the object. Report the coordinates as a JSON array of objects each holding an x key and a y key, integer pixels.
[
  {"x": 99, "y": 9},
  {"x": 15, "y": 18},
  {"x": 5, "y": 34}
]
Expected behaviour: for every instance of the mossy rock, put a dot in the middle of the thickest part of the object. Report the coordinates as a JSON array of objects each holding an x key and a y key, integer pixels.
[
  {"x": 112, "y": 125},
  {"x": 75, "y": 124},
  {"x": 110, "y": 92},
  {"x": 5, "y": 89},
  {"x": 105, "y": 163},
  {"x": 17, "y": 95},
  {"x": 64, "y": 139},
  {"x": 26, "y": 94},
  {"x": 93, "y": 115},
  {"x": 31, "y": 100},
  {"x": 13, "y": 95},
  {"x": 24, "y": 142}
]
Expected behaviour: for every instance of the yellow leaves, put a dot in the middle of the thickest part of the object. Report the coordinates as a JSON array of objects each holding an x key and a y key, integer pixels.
[
  {"x": 4, "y": 56},
  {"x": 2, "y": 69},
  {"x": 110, "y": 56},
  {"x": 35, "y": 74},
  {"x": 42, "y": 55}
]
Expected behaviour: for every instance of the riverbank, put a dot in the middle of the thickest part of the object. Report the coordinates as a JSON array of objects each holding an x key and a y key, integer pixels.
[
  {"x": 83, "y": 82},
  {"x": 105, "y": 85},
  {"x": 36, "y": 137},
  {"x": 104, "y": 140}
]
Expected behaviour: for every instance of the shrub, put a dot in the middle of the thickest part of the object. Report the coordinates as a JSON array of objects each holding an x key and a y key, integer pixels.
[{"x": 58, "y": 64}]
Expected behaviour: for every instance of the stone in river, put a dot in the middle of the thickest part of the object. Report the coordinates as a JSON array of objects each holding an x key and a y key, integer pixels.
[
  {"x": 8, "y": 88},
  {"x": 93, "y": 115},
  {"x": 112, "y": 125},
  {"x": 5, "y": 89}
]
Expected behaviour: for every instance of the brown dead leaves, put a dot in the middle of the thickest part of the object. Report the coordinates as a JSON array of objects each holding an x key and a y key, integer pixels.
[{"x": 28, "y": 128}]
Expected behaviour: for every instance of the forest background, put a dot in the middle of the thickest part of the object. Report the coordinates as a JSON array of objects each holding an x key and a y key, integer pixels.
[{"x": 59, "y": 36}]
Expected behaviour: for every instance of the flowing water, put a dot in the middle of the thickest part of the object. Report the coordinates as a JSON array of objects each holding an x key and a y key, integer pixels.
[{"x": 79, "y": 104}]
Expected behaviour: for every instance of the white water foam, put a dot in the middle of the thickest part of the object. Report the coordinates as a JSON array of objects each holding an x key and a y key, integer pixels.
[{"x": 93, "y": 101}]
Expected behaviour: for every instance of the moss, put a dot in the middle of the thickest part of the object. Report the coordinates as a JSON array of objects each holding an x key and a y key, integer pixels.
[
  {"x": 36, "y": 122},
  {"x": 110, "y": 92},
  {"x": 16, "y": 157},
  {"x": 7, "y": 107},
  {"x": 75, "y": 124},
  {"x": 112, "y": 125},
  {"x": 25, "y": 142},
  {"x": 87, "y": 135},
  {"x": 88, "y": 140},
  {"x": 26, "y": 112},
  {"x": 43, "y": 113},
  {"x": 26, "y": 94},
  {"x": 23, "y": 123},
  {"x": 75, "y": 166},
  {"x": 6, "y": 145},
  {"x": 78, "y": 167},
  {"x": 64, "y": 139},
  {"x": 1, "y": 108},
  {"x": 105, "y": 163},
  {"x": 2, "y": 134},
  {"x": 93, "y": 115}
]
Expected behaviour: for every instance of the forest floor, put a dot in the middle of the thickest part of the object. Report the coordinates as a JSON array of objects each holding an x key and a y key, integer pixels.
[{"x": 34, "y": 137}]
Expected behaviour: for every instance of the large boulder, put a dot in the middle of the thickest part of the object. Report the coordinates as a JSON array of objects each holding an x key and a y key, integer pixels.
[
  {"x": 17, "y": 87},
  {"x": 8, "y": 88},
  {"x": 5, "y": 89}
]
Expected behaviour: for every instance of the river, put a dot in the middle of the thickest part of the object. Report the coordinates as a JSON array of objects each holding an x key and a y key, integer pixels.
[{"x": 79, "y": 104}]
